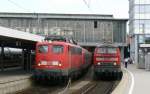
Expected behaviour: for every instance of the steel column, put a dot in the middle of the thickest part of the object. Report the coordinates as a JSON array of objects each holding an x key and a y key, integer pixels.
[{"x": 2, "y": 57}]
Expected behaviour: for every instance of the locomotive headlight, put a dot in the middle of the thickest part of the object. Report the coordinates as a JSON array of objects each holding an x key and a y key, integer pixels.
[
  {"x": 39, "y": 64},
  {"x": 115, "y": 63},
  {"x": 59, "y": 64},
  {"x": 98, "y": 63}
]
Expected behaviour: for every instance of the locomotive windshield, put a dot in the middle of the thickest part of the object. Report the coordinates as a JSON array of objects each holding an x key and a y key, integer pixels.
[
  {"x": 42, "y": 48},
  {"x": 57, "y": 49},
  {"x": 107, "y": 50}
]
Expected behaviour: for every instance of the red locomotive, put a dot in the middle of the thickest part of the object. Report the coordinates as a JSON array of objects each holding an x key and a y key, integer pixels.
[
  {"x": 107, "y": 61},
  {"x": 60, "y": 59}
]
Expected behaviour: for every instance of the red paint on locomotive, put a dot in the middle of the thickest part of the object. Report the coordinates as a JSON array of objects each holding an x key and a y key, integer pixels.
[
  {"x": 107, "y": 61},
  {"x": 59, "y": 59}
]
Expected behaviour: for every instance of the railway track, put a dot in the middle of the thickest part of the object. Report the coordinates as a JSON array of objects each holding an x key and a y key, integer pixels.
[
  {"x": 42, "y": 89},
  {"x": 96, "y": 87},
  {"x": 102, "y": 87},
  {"x": 51, "y": 89}
]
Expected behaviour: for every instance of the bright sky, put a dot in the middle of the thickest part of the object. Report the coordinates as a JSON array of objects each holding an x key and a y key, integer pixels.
[{"x": 119, "y": 8}]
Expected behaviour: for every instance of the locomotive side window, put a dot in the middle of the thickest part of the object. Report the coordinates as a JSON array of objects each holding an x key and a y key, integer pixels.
[
  {"x": 43, "y": 49},
  {"x": 107, "y": 50},
  {"x": 75, "y": 50},
  {"x": 57, "y": 49}
]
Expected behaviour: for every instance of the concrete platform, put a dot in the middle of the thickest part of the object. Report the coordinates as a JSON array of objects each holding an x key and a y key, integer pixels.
[
  {"x": 134, "y": 81},
  {"x": 125, "y": 83},
  {"x": 141, "y": 80},
  {"x": 14, "y": 80}
]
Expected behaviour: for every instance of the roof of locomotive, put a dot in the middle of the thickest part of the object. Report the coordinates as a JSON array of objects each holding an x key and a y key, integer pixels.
[
  {"x": 54, "y": 37},
  {"x": 107, "y": 45},
  {"x": 63, "y": 43},
  {"x": 57, "y": 42},
  {"x": 60, "y": 38}
]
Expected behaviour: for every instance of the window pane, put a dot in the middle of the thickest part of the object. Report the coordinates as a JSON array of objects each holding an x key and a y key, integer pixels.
[
  {"x": 43, "y": 49},
  {"x": 57, "y": 49},
  {"x": 107, "y": 50},
  {"x": 112, "y": 50},
  {"x": 75, "y": 50}
]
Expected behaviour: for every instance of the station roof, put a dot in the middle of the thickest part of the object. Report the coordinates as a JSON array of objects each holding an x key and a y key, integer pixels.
[
  {"x": 60, "y": 16},
  {"x": 94, "y": 44},
  {"x": 18, "y": 39}
]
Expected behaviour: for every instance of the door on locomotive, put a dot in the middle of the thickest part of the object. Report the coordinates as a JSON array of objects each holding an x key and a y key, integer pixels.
[{"x": 107, "y": 61}]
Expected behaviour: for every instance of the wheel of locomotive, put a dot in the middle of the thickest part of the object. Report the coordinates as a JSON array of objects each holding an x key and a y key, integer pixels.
[
  {"x": 103, "y": 76},
  {"x": 79, "y": 75},
  {"x": 35, "y": 80},
  {"x": 95, "y": 76},
  {"x": 61, "y": 80},
  {"x": 119, "y": 75},
  {"x": 66, "y": 79},
  {"x": 116, "y": 76},
  {"x": 111, "y": 77},
  {"x": 74, "y": 76}
]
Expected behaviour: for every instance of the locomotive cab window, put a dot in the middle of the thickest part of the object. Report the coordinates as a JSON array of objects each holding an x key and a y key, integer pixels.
[
  {"x": 43, "y": 49},
  {"x": 57, "y": 49},
  {"x": 112, "y": 50},
  {"x": 107, "y": 50}
]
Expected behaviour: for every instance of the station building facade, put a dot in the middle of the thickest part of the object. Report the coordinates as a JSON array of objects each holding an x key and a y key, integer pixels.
[
  {"x": 139, "y": 28},
  {"x": 87, "y": 29}
]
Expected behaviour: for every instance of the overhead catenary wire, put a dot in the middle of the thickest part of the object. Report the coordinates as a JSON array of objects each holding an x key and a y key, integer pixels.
[
  {"x": 17, "y": 5},
  {"x": 88, "y": 5}
]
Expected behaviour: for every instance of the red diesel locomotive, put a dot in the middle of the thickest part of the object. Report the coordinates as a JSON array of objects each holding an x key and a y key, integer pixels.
[
  {"x": 59, "y": 59},
  {"x": 107, "y": 61}
]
